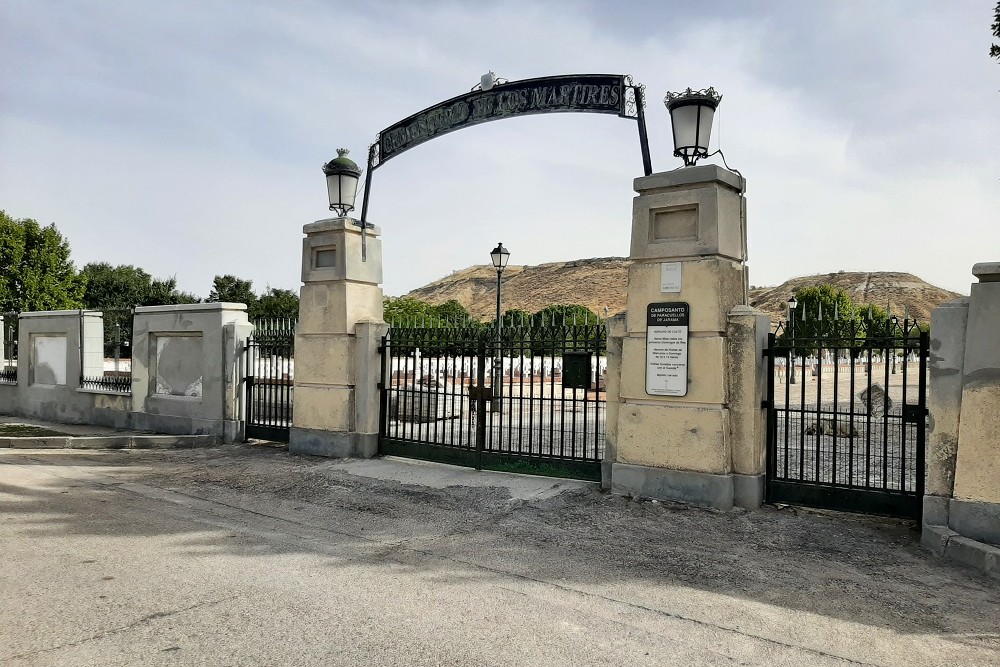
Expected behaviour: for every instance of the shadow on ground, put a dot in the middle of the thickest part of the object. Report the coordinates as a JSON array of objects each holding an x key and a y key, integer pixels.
[{"x": 858, "y": 569}]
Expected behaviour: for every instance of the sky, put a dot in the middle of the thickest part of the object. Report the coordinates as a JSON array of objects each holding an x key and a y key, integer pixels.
[{"x": 188, "y": 137}]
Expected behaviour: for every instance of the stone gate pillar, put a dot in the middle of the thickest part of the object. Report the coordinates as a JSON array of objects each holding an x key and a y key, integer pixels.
[
  {"x": 707, "y": 445},
  {"x": 961, "y": 513},
  {"x": 337, "y": 364}
]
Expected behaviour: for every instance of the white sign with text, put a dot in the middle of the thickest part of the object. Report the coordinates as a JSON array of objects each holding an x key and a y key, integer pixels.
[
  {"x": 667, "y": 326},
  {"x": 670, "y": 277}
]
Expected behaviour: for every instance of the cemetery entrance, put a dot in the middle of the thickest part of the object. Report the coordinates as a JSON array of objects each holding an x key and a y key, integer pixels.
[
  {"x": 528, "y": 398},
  {"x": 846, "y": 417}
]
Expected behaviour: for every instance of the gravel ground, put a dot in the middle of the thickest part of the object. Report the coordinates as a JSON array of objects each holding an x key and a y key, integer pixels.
[{"x": 680, "y": 585}]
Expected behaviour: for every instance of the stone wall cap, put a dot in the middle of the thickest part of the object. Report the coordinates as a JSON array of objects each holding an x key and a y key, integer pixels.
[
  {"x": 199, "y": 307},
  {"x": 987, "y": 272},
  {"x": 53, "y": 313},
  {"x": 337, "y": 224},
  {"x": 703, "y": 173},
  {"x": 962, "y": 302}
]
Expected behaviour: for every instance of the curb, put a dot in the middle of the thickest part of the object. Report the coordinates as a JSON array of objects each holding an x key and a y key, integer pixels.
[
  {"x": 113, "y": 442},
  {"x": 944, "y": 542}
]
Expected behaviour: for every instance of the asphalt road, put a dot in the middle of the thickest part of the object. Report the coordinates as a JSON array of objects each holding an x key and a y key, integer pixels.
[{"x": 250, "y": 556}]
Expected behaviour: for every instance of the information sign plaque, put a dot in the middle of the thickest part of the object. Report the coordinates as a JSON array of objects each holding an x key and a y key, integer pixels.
[
  {"x": 667, "y": 326},
  {"x": 670, "y": 277}
]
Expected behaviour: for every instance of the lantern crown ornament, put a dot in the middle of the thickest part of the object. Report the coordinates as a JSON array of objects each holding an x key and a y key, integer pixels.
[
  {"x": 691, "y": 116},
  {"x": 342, "y": 176}
]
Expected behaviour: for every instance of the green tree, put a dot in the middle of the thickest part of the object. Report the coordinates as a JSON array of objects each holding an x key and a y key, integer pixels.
[
  {"x": 164, "y": 292},
  {"x": 110, "y": 286},
  {"x": 544, "y": 338},
  {"x": 516, "y": 317},
  {"x": 568, "y": 314},
  {"x": 37, "y": 273},
  {"x": 452, "y": 312},
  {"x": 230, "y": 289},
  {"x": 824, "y": 311},
  {"x": 126, "y": 286},
  {"x": 995, "y": 48},
  {"x": 275, "y": 303},
  {"x": 407, "y": 311}
]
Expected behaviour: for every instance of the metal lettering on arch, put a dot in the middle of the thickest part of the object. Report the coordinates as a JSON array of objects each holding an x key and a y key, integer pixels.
[
  {"x": 590, "y": 93},
  {"x": 580, "y": 93}
]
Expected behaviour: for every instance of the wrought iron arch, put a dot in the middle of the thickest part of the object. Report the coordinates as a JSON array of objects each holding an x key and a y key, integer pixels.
[{"x": 573, "y": 93}]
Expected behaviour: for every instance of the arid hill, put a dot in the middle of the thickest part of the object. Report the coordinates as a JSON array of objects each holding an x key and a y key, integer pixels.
[
  {"x": 904, "y": 293},
  {"x": 599, "y": 284}
]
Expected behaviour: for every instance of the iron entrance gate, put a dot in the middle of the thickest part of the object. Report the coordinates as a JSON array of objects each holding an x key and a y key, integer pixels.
[
  {"x": 529, "y": 399},
  {"x": 846, "y": 417},
  {"x": 269, "y": 372}
]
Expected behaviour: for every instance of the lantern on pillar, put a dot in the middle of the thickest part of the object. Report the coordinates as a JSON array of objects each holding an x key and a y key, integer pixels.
[
  {"x": 342, "y": 182},
  {"x": 691, "y": 116}
]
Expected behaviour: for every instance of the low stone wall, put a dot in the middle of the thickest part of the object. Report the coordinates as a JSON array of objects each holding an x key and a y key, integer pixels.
[
  {"x": 185, "y": 370},
  {"x": 49, "y": 368}
]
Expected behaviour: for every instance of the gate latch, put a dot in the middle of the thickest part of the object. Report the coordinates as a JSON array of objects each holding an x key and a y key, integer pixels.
[{"x": 914, "y": 414}]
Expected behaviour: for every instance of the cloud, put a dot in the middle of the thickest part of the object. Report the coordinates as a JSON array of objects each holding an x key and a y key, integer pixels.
[{"x": 187, "y": 137}]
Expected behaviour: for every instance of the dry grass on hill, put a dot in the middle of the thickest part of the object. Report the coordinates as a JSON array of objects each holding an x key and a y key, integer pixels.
[{"x": 599, "y": 284}]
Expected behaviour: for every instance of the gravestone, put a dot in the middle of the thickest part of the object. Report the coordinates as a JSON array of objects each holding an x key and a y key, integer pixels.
[{"x": 876, "y": 401}]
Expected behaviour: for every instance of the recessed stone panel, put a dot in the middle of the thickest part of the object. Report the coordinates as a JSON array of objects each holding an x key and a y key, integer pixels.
[
  {"x": 178, "y": 366},
  {"x": 48, "y": 359},
  {"x": 325, "y": 258},
  {"x": 675, "y": 223}
]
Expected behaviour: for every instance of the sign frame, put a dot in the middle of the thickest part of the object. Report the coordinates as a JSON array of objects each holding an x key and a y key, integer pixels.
[{"x": 668, "y": 324}]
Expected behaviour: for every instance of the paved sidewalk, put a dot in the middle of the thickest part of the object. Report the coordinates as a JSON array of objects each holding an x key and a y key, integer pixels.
[
  {"x": 244, "y": 555},
  {"x": 68, "y": 429},
  {"x": 88, "y": 436}
]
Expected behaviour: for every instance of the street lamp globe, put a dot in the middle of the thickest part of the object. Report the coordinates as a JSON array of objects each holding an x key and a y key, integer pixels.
[
  {"x": 793, "y": 303},
  {"x": 342, "y": 182},
  {"x": 691, "y": 116},
  {"x": 499, "y": 255}
]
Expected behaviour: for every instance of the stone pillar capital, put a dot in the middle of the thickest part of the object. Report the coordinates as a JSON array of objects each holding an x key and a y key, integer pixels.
[{"x": 331, "y": 252}]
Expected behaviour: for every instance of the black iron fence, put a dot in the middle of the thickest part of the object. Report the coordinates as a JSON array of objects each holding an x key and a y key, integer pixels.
[
  {"x": 9, "y": 351},
  {"x": 528, "y": 394},
  {"x": 270, "y": 372},
  {"x": 847, "y": 417},
  {"x": 106, "y": 359}
]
